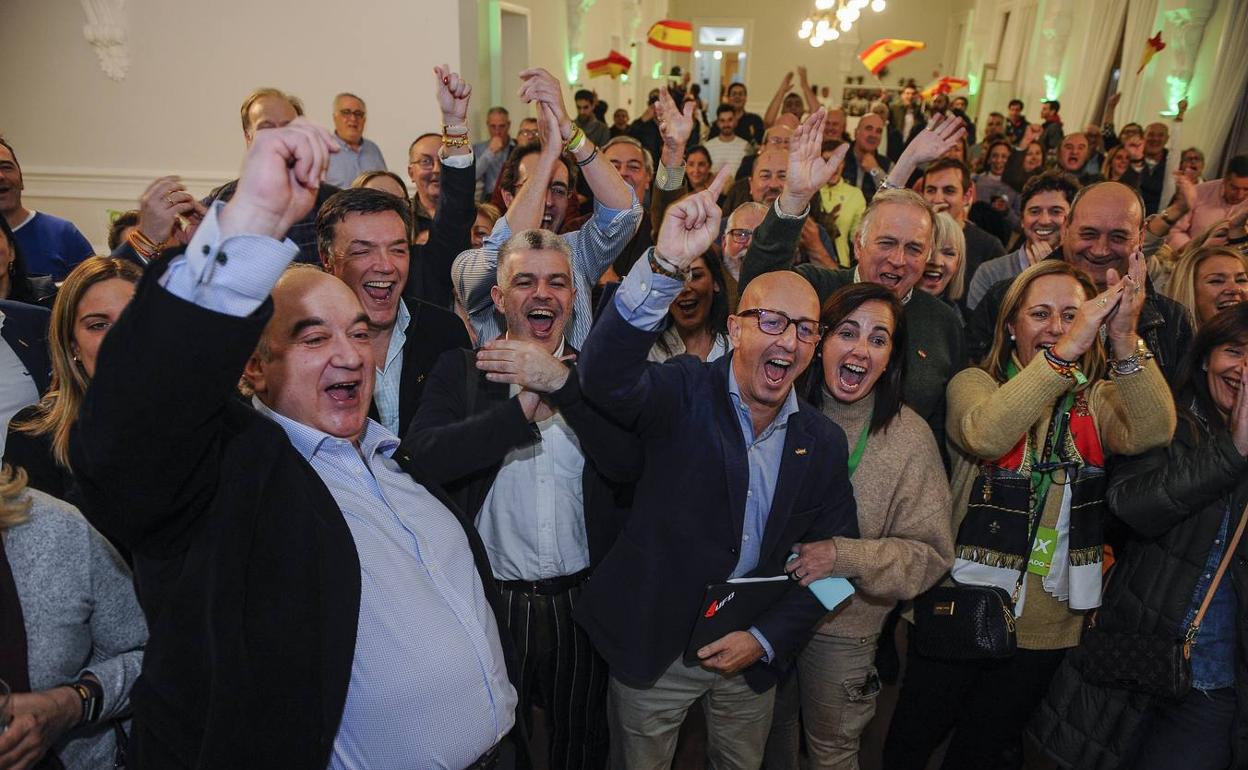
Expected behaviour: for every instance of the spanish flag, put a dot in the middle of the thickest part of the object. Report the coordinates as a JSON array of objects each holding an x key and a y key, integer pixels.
[
  {"x": 614, "y": 65},
  {"x": 944, "y": 85},
  {"x": 881, "y": 52},
  {"x": 671, "y": 35},
  {"x": 1152, "y": 47}
]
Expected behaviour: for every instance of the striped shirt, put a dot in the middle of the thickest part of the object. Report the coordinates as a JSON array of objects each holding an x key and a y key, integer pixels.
[{"x": 594, "y": 247}]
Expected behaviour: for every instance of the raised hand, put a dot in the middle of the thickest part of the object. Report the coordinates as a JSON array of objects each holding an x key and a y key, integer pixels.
[
  {"x": 941, "y": 134},
  {"x": 1121, "y": 322},
  {"x": 538, "y": 85},
  {"x": 281, "y": 175},
  {"x": 1119, "y": 305},
  {"x": 675, "y": 125},
  {"x": 1186, "y": 187},
  {"x": 453, "y": 94},
  {"x": 1032, "y": 133},
  {"x": 808, "y": 171},
  {"x": 548, "y": 130},
  {"x": 691, "y": 224},
  {"x": 160, "y": 206},
  {"x": 1134, "y": 146}
]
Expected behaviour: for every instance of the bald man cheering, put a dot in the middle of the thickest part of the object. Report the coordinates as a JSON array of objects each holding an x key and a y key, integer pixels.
[{"x": 736, "y": 472}]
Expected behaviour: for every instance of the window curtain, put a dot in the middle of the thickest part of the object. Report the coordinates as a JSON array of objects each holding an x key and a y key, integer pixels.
[
  {"x": 1142, "y": 23},
  {"x": 1089, "y": 62},
  {"x": 1219, "y": 93}
]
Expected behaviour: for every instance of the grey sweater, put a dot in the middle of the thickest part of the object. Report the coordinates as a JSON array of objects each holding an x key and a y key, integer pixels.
[{"x": 81, "y": 615}]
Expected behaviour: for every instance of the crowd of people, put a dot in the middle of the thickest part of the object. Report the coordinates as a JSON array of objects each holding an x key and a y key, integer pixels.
[{"x": 311, "y": 473}]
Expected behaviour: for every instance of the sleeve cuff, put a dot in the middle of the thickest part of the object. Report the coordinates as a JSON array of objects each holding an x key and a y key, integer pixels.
[
  {"x": 643, "y": 298},
  {"x": 782, "y": 215},
  {"x": 669, "y": 178},
  {"x": 768, "y": 653},
  {"x": 455, "y": 161}
]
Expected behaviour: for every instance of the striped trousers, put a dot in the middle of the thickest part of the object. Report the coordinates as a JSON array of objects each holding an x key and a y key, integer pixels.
[{"x": 562, "y": 674}]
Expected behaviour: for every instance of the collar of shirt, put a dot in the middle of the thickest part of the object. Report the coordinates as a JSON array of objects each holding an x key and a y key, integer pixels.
[
  {"x": 904, "y": 300},
  {"x": 787, "y": 409},
  {"x": 307, "y": 440},
  {"x": 398, "y": 337}
]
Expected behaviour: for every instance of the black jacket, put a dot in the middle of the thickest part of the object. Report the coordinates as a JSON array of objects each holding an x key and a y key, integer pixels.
[
  {"x": 25, "y": 330},
  {"x": 1163, "y": 325},
  {"x": 431, "y": 332},
  {"x": 245, "y": 567},
  {"x": 685, "y": 529},
  {"x": 850, "y": 173},
  {"x": 1173, "y": 500},
  {"x": 466, "y": 425},
  {"x": 1149, "y": 181},
  {"x": 429, "y": 276}
]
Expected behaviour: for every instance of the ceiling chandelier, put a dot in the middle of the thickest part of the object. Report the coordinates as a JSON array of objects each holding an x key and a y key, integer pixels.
[{"x": 831, "y": 18}]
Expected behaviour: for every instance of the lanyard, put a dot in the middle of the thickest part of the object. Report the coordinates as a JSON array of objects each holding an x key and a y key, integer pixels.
[
  {"x": 1044, "y": 465},
  {"x": 859, "y": 448}
]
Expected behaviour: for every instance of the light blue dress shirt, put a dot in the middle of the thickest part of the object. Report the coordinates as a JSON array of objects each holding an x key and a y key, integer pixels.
[
  {"x": 346, "y": 164},
  {"x": 643, "y": 300},
  {"x": 429, "y": 685},
  {"x": 533, "y": 519},
  {"x": 386, "y": 388},
  {"x": 490, "y": 166}
]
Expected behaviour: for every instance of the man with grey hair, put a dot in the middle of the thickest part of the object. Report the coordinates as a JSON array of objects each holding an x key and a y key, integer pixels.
[
  {"x": 892, "y": 244},
  {"x": 738, "y": 235},
  {"x": 508, "y": 433},
  {"x": 492, "y": 152},
  {"x": 356, "y": 154}
]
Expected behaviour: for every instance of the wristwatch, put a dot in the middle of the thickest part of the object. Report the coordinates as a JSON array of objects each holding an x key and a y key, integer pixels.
[{"x": 91, "y": 695}]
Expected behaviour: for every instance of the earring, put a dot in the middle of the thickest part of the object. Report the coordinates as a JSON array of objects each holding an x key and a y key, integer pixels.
[{"x": 1012, "y": 338}]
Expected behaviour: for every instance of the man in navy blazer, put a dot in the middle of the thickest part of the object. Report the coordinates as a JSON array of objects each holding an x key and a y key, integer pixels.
[
  {"x": 736, "y": 472},
  {"x": 25, "y": 368}
]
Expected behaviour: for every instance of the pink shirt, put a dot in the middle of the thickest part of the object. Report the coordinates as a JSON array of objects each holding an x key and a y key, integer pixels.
[{"x": 1210, "y": 209}]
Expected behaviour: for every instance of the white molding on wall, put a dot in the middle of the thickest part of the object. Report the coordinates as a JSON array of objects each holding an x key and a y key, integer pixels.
[{"x": 108, "y": 184}]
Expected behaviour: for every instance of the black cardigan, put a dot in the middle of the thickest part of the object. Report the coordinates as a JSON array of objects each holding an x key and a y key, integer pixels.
[{"x": 245, "y": 568}]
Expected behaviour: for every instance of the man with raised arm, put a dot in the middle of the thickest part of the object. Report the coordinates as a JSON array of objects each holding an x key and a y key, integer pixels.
[
  {"x": 737, "y": 470},
  {"x": 312, "y": 603},
  {"x": 541, "y": 201}
]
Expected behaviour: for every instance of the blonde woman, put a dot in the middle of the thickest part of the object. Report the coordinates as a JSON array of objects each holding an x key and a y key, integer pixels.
[
  {"x": 71, "y": 633},
  {"x": 1208, "y": 280},
  {"x": 944, "y": 275},
  {"x": 93, "y": 296},
  {"x": 1032, "y": 428}
]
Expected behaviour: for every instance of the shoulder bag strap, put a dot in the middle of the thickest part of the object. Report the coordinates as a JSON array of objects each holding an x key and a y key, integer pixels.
[{"x": 1190, "y": 638}]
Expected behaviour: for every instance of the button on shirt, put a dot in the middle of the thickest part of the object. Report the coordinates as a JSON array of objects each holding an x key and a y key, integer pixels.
[
  {"x": 348, "y": 163},
  {"x": 643, "y": 300},
  {"x": 533, "y": 517},
  {"x": 428, "y": 685},
  {"x": 386, "y": 388}
]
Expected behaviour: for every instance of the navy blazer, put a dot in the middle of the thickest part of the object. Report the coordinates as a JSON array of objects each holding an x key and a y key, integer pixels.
[
  {"x": 684, "y": 532},
  {"x": 26, "y": 331}
]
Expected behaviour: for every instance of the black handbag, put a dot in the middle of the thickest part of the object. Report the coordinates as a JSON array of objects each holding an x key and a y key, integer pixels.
[{"x": 1144, "y": 663}]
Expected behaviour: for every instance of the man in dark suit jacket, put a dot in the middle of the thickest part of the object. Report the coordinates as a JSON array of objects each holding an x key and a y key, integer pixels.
[
  {"x": 736, "y": 473},
  {"x": 27, "y": 370},
  {"x": 251, "y": 529},
  {"x": 865, "y": 166},
  {"x": 362, "y": 238},
  {"x": 544, "y": 473}
]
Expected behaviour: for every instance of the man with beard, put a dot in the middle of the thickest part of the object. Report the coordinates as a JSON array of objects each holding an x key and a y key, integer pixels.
[
  {"x": 1045, "y": 206},
  {"x": 892, "y": 244},
  {"x": 749, "y": 126},
  {"x": 994, "y": 130},
  {"x": 50, "y": 245},
  {"x": 1102, "y": 231},
  {"x": 508, "y": 433},
  {"x": 737, "y": 418},
  {"x": 535, "y": 183}
]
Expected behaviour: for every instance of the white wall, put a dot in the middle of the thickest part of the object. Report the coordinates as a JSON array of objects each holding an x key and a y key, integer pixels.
[
  {"x": 776, "y": 49},
  {"x": 87, "y": 143}
]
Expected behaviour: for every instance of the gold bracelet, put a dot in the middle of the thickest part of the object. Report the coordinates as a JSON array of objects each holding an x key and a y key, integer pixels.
[
  {"x": 142, "y": 244},
  {"x": 455, "y": 141}
]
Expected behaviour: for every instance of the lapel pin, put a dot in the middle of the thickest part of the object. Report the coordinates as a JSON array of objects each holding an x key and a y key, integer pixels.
[
  {"x": 800, "y": 451},
  {"x": 922, "y": 354}
]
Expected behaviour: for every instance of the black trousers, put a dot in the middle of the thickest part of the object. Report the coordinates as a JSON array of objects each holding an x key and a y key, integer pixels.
[
  {"x": 562, "y": 674},
  {"x": 985, "y": 703}
]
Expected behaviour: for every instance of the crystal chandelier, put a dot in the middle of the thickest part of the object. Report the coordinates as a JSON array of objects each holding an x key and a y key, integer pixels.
[{"x": 831, "y": 18}]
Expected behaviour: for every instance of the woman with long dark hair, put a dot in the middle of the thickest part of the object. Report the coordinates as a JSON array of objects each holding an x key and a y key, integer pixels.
[
  {"x": 1181, "y": 504},
  {"x": 905, "y": 542}
]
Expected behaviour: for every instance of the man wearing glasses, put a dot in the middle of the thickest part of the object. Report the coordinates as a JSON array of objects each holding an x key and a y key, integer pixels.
[
  {"x": 738, "y": 235},
  {"x": 534, "y": 184},
  {"x": 356, "y": 154},
  {"x": 737, "y": 471}
]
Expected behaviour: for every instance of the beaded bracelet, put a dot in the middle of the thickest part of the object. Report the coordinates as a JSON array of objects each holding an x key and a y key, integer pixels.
[{"x": 1068, "y": 369}]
